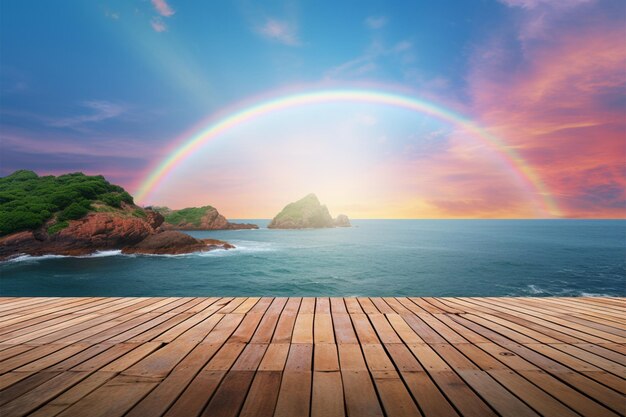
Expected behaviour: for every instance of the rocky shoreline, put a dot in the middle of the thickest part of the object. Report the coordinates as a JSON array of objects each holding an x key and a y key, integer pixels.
[{"x": 107, "y": 231}]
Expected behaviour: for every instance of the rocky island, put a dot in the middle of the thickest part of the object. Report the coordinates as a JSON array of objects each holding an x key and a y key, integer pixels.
[
  {"x": 76, "y": 214},
  {"x": 198, "y": 218},
  {"x": 307, "y": 213}
]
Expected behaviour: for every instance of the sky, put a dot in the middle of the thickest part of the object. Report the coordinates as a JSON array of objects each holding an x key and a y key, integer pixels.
[{"x": 115, "y": 87}]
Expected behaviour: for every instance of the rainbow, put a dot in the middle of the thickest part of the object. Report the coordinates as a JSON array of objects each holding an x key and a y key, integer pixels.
[{"x": 211, "y": 129}]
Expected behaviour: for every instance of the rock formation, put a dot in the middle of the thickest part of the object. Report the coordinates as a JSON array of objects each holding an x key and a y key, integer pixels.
[
  {"x": 306, "y": 213},
  {"x": 84, "y": 214},
  {"x": 199, "y": 218},
  {"x": 106, "y": 231},
  {"x": 342, "y": 221},
  {"x": 174, "y": 243}
]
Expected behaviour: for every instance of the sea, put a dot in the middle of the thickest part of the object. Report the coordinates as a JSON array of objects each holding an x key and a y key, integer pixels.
[{"x": 372, "y": 258}]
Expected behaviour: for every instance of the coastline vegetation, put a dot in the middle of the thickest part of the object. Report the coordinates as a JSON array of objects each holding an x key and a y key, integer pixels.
[
  {"x": 191, "y": 215},
  {"x": 28, "y": 201}
]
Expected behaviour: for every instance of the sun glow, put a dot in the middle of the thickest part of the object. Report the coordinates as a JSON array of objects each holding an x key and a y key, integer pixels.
[{"x": 307, "y": 161}]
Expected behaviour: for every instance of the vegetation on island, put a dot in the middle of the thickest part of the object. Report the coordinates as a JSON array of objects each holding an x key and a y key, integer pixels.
[
  {"x": 190, "y": 215},
  {"x": 304, "y": 213},
  {"x": 28, "y": 201}
]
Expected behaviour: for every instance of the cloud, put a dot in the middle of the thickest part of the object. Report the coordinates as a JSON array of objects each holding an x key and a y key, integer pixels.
[
  {"x": 376, "y": 22},
  {"x": 533, "y": 4},
  {"x": 163, "y": 8},
  {"x": 353, "y": 68},
  {"x": 158, "y": 24},
  {"x": 402, "y": 46},
  {"x": 541, "y": 18},
  {"x": 371, "y": 60},
  {"x": 279, "y": 31},
  {"x": 112, "y": 15},
  {"x": 560, "y": 103},
  {"x": 100, "y": 110}
]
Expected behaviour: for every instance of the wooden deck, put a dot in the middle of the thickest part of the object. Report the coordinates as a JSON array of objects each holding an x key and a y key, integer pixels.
[{"x": 148, "y": 357}]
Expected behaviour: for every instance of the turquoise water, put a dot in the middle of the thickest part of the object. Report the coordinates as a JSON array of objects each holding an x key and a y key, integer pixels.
[{"x": 375, "y": 258}]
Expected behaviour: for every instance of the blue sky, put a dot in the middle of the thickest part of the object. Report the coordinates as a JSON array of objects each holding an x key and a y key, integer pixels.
[{"x": 102, "y": 86}]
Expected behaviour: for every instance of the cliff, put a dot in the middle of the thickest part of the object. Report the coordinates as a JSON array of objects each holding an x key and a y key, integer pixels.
[
  {"x": 342, "y": 221},
  {"x": 198, "y": 218},
  {"x": 76, "y": 214},
  {"x": 306, "y": 213}
]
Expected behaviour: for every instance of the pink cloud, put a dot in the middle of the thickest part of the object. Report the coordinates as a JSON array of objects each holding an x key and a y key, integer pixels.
[
  {"x": 163, "y": 8},
  {"x": 158, "y": 24},
  {"x": 562, "y": 109},
  {"x": 531, "y": 4}
]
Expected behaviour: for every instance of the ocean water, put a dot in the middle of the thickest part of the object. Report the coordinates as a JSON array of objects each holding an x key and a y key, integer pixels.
[{"x": 374, "y": 258}]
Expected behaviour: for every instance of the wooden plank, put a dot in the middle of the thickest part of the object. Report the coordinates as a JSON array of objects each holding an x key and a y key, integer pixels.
[
  {"x": 367, "y": 305},
  {"x": 385, "y": 332},
  {"x": 606, "y": 396},
  {"x": 338, "y": 306},
  {"x": 246, "y": 306},
  {"x": 43, "y": 393},
  {"x": 265, "y": 356},
  {"x": 327, "y": 396},
  {"x": 210, "y": 307},
  {"x": 261, "y": 399},
  {"x": 326, "y": 358},
  {"x": 269, "y": 321},
  {"x": 549, "y": 320},
  {"x": 487, "y": 387},
  {"x": 323, "y": 328},
  {"x": 284, "y": 327},
  {"x": 382, "y": 306},
  {"x": 353, "y": 306},
  {"x": 342, "y": 325},
  {"x": 364, "y": 329},
  {"x": 403, "y": 330},
  {"x": 201, "y": 389},
  {"x": 73, "y": 395},
  {"x": 164, "y": 395},
  {"x": 394, "y": 396},
  {"x": 359, "y": 393},
  {"x": 294, "y": 396},
  {"x": 322, "y": 305},
  {"x": 307, "y": 306},
  {"x": 303, "y": 329},
  {"x": 431, "y": 401},
  {"x": 275, "y": 357},
  {"x": 125, "y": 390},
  {"x": 459, "y": 394},
  {"x": 230, "y": 395},
  {"x": 24, "y": 386}
]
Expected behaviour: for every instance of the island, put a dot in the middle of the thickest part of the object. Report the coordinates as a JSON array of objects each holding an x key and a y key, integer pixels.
[
  {"x": 76, "y": 214},
  {"x": 307, "y": 213},
  {"x": 198, "y": 218}
]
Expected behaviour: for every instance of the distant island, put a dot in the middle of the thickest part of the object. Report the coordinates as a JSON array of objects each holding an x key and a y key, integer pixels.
[
  {"x": 77, "y": 214},
  {"x": 307, "y": 213},
  {"x": 198, "y": 218}
]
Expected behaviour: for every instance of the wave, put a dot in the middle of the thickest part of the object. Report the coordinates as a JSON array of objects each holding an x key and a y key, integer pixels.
[
  {"x": 533, "y": 289},
  {"x": 241, "y": 247},
  {"x": 31, "y": 258},
  {"x": 590, "y": 294},
  {"x": 564, "y": 292}
]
